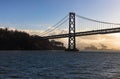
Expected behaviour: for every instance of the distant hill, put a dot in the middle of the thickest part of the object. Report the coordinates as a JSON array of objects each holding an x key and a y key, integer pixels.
[{"x": 17, "y": 40}]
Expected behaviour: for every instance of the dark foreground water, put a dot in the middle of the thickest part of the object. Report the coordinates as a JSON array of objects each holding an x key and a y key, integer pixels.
[{"x": 59, "y": 65}]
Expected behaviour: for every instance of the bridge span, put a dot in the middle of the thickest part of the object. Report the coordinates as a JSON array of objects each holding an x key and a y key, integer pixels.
[
  {"x": 72, "y": 34},
  {"x": 93, "y": 32}
]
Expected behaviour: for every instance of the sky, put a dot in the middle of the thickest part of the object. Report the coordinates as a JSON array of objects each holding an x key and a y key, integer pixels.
[
  {"x": 48, "y": 12},
  {"x": 36, "y": 15}
]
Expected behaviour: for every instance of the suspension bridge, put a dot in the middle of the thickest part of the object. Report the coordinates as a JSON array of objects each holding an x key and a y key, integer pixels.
[{"x": 90, "y": 27}]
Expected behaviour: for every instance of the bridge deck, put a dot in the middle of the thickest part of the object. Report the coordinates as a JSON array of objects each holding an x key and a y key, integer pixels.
[{"x": 93, "y": 32}]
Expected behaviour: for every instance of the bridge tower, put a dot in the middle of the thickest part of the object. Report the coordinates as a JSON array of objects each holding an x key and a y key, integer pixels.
[{"x": 71, "y": 39}]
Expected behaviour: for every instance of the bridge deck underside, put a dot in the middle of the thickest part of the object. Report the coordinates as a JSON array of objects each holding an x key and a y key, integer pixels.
[{"x": 93, "y": 32}]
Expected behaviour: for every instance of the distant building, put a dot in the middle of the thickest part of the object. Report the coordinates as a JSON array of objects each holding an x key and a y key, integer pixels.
[{"x": 57, "y": 45}]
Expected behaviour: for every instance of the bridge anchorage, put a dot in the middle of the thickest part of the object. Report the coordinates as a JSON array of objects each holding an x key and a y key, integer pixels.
[{"x": 71, "y": 35}]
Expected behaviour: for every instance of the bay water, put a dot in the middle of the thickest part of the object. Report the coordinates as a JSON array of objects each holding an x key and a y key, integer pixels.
[{"x": 59, "y": 65}]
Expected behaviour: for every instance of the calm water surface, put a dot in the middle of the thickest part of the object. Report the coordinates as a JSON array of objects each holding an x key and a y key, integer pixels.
[{"x": 59, "y": 65}]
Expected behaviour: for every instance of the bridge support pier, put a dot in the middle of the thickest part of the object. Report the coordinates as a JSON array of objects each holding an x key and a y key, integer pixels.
[{"x": 71, "y": 38}]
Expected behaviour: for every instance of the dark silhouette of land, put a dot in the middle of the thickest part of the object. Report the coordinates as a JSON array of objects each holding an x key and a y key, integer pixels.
[{"x": 17, "y": 40}]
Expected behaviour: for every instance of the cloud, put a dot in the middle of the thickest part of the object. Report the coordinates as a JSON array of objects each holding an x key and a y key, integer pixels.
[
  {"x": 33, "y": 32},
  {"x": 108, "y": 41}
]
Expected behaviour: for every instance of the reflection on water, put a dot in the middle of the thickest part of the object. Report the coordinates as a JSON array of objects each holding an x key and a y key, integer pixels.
[{"x": 59, "y": 65}]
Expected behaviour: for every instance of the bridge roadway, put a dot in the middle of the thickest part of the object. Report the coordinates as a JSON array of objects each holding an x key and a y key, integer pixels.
[{"x": 93, "y": 32}]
